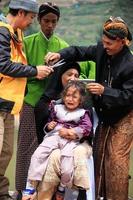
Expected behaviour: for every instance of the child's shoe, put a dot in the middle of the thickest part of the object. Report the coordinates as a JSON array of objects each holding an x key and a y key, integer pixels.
[{"x": 60, "y": 193}]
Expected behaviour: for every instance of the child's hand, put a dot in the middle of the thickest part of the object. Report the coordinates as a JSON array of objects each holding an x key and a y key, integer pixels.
[
  {"x": 71, "y": 135},
  {"x": 63, "y": 132},
  {"x": 68, "y": 133},
  {"x": 51, "y": 125}
]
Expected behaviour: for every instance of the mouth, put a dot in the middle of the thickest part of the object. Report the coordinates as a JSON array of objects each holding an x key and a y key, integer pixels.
[{"x": 108, "y": 51}]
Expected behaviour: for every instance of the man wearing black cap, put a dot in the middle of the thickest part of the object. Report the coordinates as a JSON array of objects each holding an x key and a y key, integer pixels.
[
  {"x": 113, "y": 100},
  {"x": 36, "y": 47},
  {"x": 13, "y": 73}
]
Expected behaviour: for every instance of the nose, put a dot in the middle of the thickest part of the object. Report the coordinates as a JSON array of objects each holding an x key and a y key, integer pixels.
[
  {"x": 70, "y": 98},
  {"x": 50, "y": 24},
  {"x": 73, "y": 78},
  {"x": 104, "y": 46}
]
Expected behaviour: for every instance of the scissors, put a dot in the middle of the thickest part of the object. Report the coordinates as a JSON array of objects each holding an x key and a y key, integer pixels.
[{"x": 57, "y": 64}]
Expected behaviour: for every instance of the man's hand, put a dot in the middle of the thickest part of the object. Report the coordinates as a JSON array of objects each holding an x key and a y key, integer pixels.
[
  {"x": 52, "y": 58},
  {"x": 51, "y": 125},
  {"x": 43, "y": 71},
  {"x": 95, "y": 88}
]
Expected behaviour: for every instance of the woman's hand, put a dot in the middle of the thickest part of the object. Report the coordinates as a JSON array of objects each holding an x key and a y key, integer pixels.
[
  {"x": 52, "y": 58},
  {"x": 95, "y": 88},
  {"x": 51, "y": 125}
]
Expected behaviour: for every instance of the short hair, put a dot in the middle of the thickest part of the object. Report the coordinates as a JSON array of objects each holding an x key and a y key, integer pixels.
[{"x": 14, "y": 12}]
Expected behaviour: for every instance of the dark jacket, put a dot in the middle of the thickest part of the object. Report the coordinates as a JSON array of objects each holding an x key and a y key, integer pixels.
[{"x": 116, "y": 74}]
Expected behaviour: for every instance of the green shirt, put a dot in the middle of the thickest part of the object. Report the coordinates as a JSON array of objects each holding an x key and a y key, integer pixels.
[
  {"x": 36, "y": 46},
  {"x": 87, "y": 70}
]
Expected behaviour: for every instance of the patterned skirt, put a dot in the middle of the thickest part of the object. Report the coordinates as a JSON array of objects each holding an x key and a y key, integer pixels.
[
  {"x": 27, "y": 144},
  {"x": 112, "y": 146}
]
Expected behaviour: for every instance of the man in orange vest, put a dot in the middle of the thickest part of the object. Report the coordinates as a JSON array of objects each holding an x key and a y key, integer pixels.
[{"x": 13, "y": 76}]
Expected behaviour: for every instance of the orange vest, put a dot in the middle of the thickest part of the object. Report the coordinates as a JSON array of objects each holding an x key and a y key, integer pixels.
[{"x": 11, "y": 88}]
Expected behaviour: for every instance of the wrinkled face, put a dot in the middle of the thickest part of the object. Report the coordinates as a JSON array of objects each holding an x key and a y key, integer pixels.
[
  {"x": 72, "y": 98},
  {"x": 112, "y": 47},
  {"x": 25, "y": 19},
  {"x": 69, "y": 75},
  {"x": 48, "y": 24}
]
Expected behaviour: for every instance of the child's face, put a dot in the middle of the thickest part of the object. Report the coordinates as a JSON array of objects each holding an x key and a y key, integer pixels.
[{"x": 72, "y": 99}]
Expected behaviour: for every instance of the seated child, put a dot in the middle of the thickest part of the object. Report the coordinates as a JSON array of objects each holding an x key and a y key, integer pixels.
[{"x": 69, "y": 122}]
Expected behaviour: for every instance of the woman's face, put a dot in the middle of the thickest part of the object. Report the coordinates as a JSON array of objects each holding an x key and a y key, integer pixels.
[{"x": 70, "y": 74}]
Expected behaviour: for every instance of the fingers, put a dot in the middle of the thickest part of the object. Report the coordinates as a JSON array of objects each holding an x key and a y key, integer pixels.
[
  {"x": 43, "y": 71},
  {"x": 51, "y": 58},
  {"x": 52, "y": 125},
  {"x": 95, "y": 88}
]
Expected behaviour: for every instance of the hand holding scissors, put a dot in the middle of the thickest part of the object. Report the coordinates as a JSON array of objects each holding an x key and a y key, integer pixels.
[{"x": 52, "y": 58}]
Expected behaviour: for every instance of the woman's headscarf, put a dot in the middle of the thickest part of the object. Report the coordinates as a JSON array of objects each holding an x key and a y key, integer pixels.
[
  {"x": 54, "y": 86},
  {"x": 115, "y": 27}
]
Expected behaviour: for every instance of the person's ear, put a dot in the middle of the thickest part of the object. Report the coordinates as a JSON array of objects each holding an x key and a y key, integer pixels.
[
  {"x": 39, "y": 20},
  {"x": 124, "y": 41},
  {"x": 21, "y": 13}
]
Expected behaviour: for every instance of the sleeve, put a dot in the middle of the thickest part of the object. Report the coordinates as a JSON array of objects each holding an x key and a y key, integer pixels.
[
  {"x": 7, "y": 67},
  {"x": 52, "y": 111},
  {"x": 52, "y": 115},
  {"x": 87, "y": 70},
  {"x": 84, "y": 127},
  {"x": 79, "y": 53},
  {"x": 114, "y": 97}
]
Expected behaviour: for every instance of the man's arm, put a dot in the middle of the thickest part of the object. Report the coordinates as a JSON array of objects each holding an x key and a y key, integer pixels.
[
  {"x": 73, "y": 53},
  {"x": 14, "y": 69}
]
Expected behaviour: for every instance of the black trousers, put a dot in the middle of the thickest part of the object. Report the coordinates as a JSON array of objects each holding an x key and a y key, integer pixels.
[{"x": 82, "y": 195}]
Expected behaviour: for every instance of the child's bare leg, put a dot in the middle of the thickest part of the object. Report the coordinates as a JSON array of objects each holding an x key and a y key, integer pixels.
[{"x": 47, "y": 195}]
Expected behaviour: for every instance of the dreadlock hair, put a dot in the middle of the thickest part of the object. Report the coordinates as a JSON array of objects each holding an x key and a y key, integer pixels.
[{"x": 79, "y": 86}]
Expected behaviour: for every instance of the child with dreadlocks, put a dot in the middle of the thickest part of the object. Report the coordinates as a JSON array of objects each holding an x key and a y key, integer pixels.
[{"x": 69, "y": 122}]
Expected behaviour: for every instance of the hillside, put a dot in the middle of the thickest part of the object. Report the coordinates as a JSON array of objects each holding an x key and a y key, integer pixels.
[
  {"x": 69, "y": 3},
  {"x": 81, "y": 20}
]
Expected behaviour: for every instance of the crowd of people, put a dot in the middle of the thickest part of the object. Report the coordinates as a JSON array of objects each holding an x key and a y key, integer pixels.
[{"x": 56, "y": 141}]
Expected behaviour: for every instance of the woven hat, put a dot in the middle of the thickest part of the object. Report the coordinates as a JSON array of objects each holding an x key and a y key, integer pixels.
[{"x": 28, "y": 5}]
